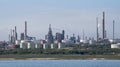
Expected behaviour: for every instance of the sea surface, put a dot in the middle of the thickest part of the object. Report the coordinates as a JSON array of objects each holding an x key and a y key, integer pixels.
[{"x": 60, "y": 63}]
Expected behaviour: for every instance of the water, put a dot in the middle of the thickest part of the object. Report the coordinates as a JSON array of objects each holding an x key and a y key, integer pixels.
[{"x": 60, "y": 63}]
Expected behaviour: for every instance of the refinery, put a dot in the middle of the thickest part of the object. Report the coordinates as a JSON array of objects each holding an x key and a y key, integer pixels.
[{"x": 58, "y": 41}]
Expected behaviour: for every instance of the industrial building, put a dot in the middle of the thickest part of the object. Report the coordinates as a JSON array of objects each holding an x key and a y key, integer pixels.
[{"x": 58, "y": 40}]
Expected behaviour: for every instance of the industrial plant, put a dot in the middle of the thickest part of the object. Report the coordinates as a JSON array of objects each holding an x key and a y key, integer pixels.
[{"x": 59, "y": 40}]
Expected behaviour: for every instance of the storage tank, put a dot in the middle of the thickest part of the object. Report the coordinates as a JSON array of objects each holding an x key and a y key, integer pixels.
[
  {"x": 45, "y": 46},
  {"x": 115, "y": 45}
]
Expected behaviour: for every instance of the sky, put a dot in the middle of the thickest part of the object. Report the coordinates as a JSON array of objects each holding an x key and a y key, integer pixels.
[{"x": 73, "y": 16}]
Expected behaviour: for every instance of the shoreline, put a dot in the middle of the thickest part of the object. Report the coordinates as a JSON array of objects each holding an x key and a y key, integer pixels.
[
  {"x": 27, "y": 59},
  {"x": 59, "y": 57},
  {"x": 50, "y": 59}
]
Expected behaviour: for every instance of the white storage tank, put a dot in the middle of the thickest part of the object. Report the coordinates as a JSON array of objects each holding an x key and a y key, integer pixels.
[
  {"x": 52, "y": 46},
  {"x": 17, "y": 42},
  {"x": 23, "y": 45},
  {"x": 30, "y": 45},
  {"x": 61, "y": 45},
  {"x": 45, "y": 46},
  {"x": 37, "y": 45},
  {"x": 115, "y": 45}
]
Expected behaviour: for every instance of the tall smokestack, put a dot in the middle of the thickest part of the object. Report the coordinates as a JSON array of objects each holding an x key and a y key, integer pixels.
[
  {"x": 10, "y": 35},
  {"x": 113, "y": 30},
  {"x": 105, "y": 34},
  {"x": 97, "y": 28},
  {"x": 103, "y": 24},
  {"x": 15, "y": 33},
  {"x": 9, "y": 38},
  {"x": 83, "y": 34},
  {"x": 25, "y": 30},
  {"x": 13, "y": 37},
  {"x": 63, "y": 34}
]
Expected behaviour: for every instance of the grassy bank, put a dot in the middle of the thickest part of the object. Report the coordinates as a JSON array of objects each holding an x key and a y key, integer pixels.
[
  {"x": 61, "y": 57},
  {"x": 74, "y": 52}
]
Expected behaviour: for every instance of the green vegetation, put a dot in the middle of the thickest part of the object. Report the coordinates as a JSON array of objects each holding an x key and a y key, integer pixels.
[
  {"x": 73, "y": 52},
  {"x": 80, "y": 50}
]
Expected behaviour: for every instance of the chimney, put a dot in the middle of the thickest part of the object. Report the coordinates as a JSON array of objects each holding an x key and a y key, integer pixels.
[
  {"x": 97, "y": 29},
  {"x": 103, "y": 24},
  {"x": 25, "y": 30},
  {"x": 9, "y": 38},
  {"x": 113, "y": 30},
  {"x": 10, "y": 35},
  {"x": 13, "y": 37},
  {"x": 15, "y": 33},
  {"x": 83, "y": 34}
]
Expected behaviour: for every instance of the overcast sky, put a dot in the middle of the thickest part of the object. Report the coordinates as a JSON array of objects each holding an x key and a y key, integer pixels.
[{"x": 71, "y": 15}]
